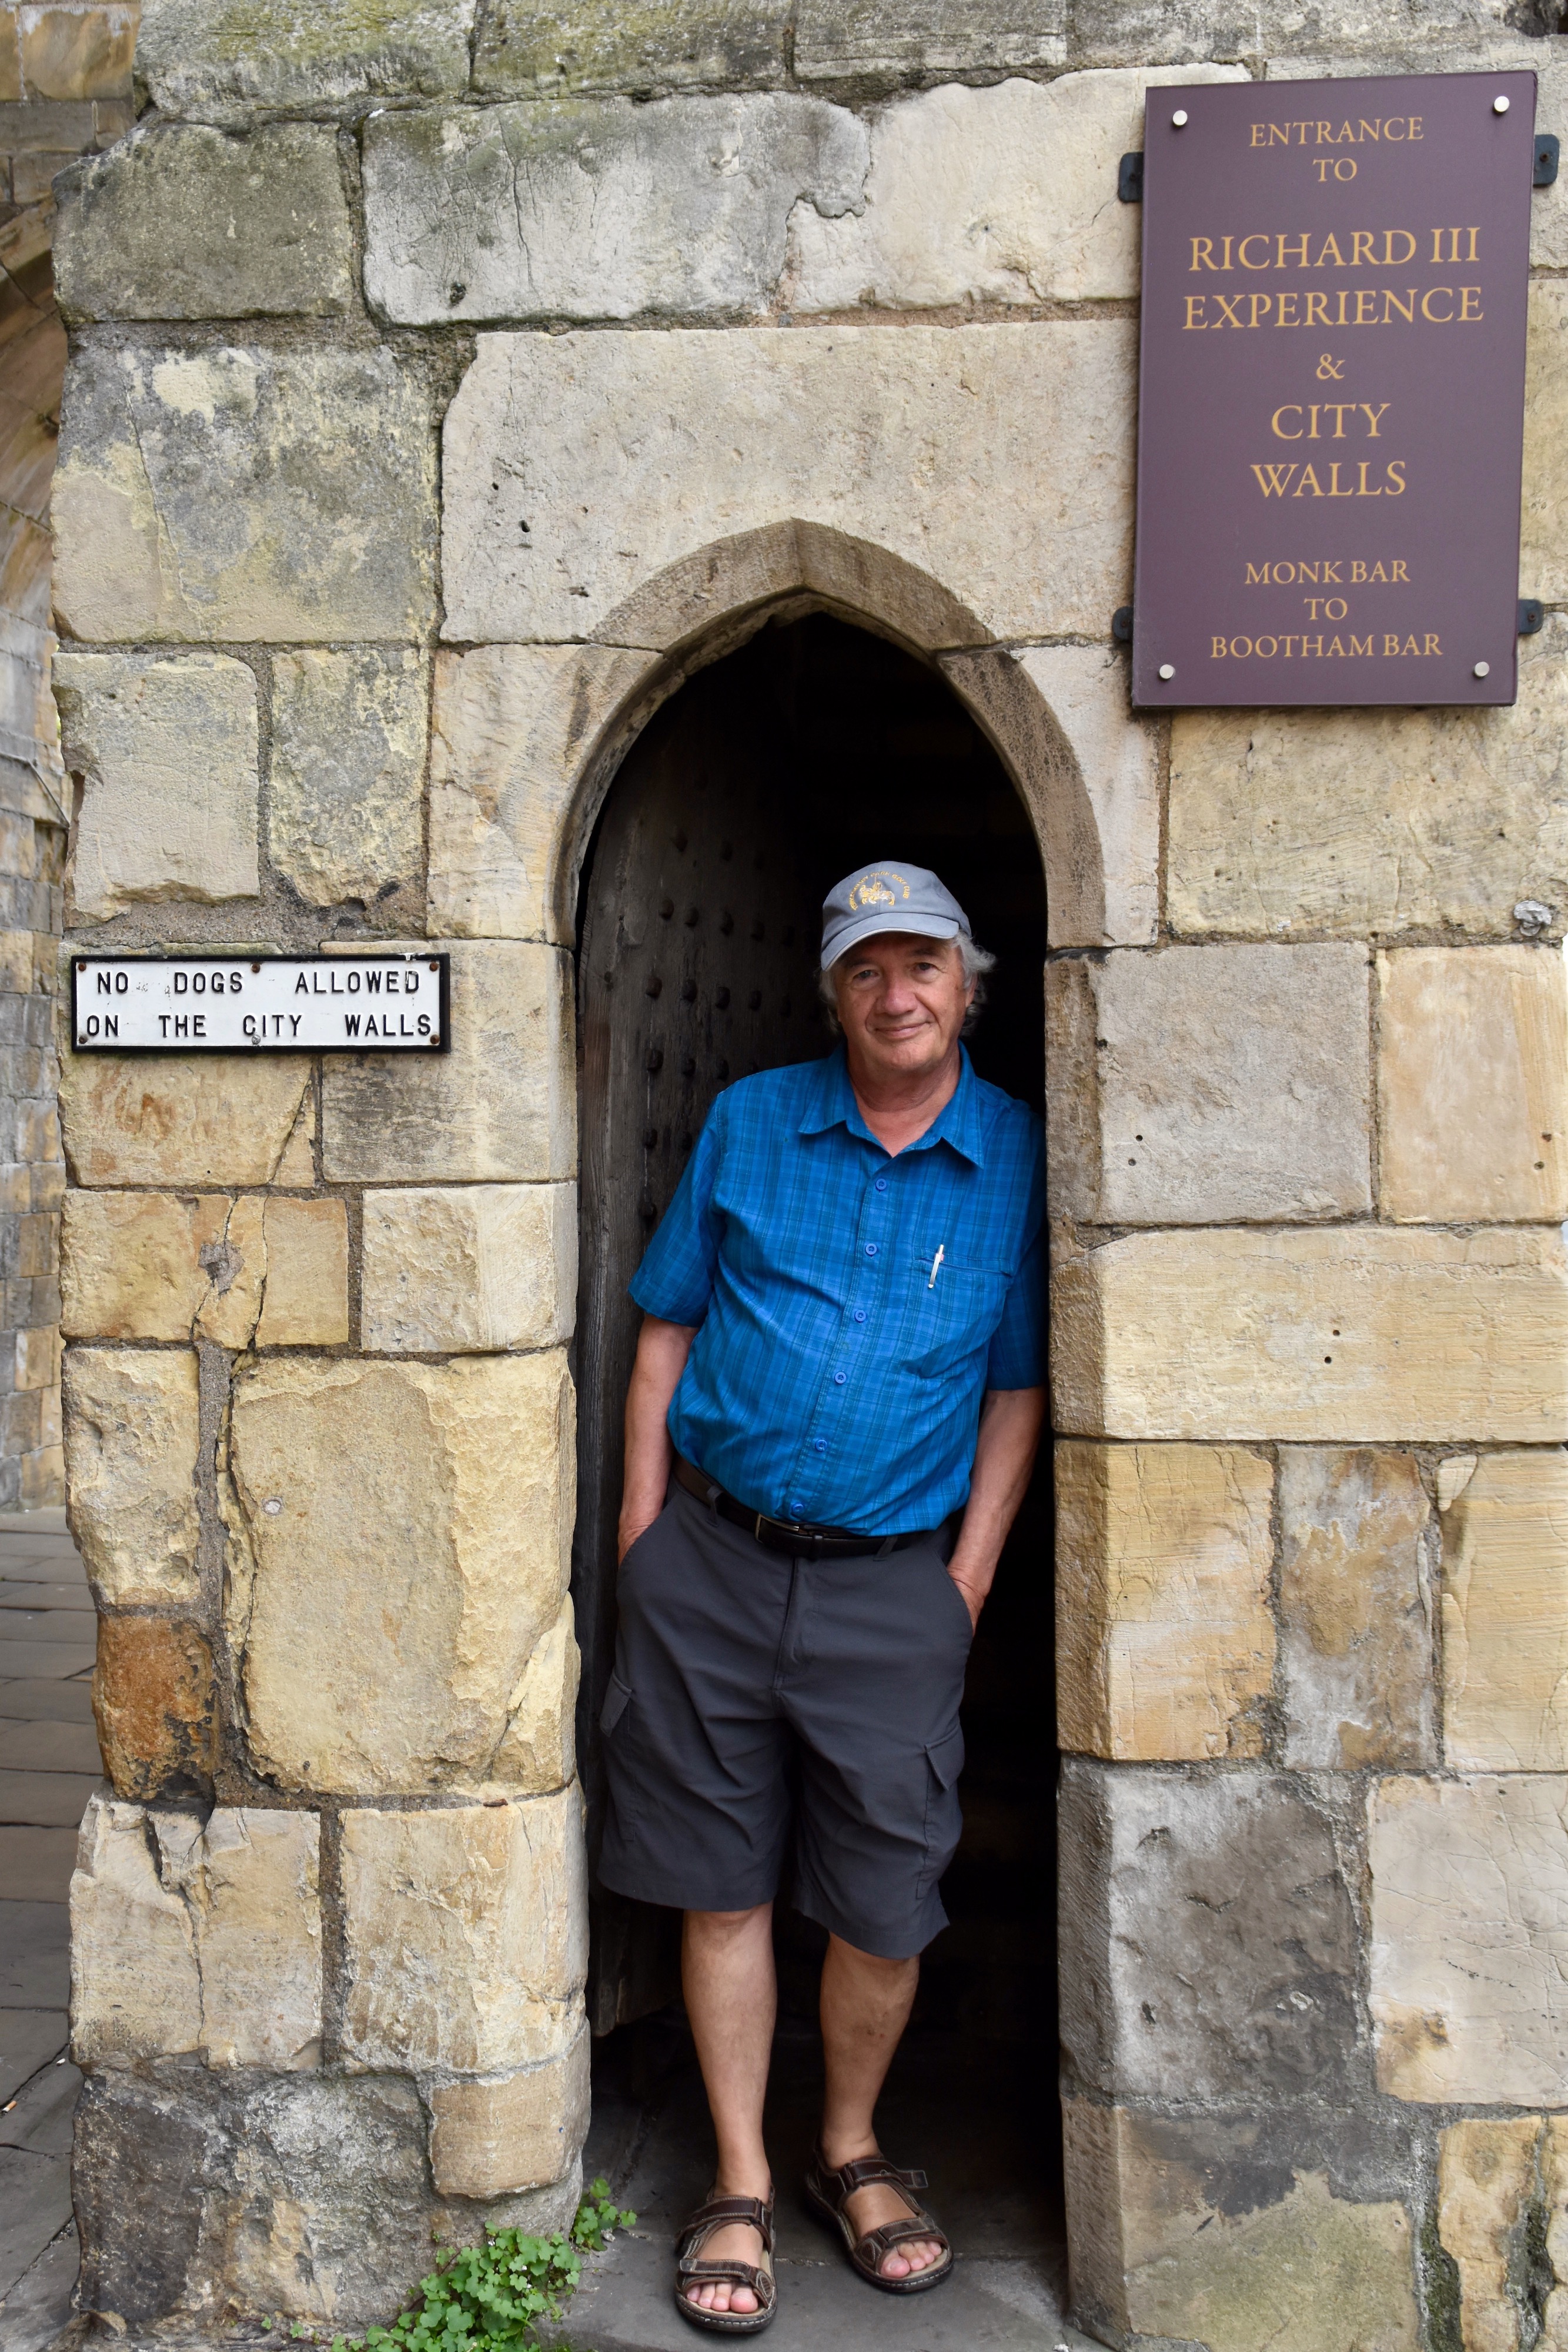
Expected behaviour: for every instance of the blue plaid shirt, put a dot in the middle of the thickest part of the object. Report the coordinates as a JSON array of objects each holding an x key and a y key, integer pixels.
[{"x": 852, "y": 1305}]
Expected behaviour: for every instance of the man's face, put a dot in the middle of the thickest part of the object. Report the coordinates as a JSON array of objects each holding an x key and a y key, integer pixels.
[{"x": 902, "y": 1000}]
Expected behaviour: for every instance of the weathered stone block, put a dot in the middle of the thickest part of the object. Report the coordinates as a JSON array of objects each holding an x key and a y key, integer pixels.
[
  {"x": 597, "y": 208},
  {"x": 346, "y": 814},
  {"x": 1505, "y": 1615},
  {"x": 193, "y": 1939},
  {"x": 1544, "y": 516},
  {"x": 1200, "y": 1084},
  {"x": 1118, "y": 759},
  {"x": 70, "y": 55},
  {"x": 1164, "y": 1645},
  {"x": 528, "y": 50},
  {"x": 469, "y": 1267},
  {"x": 465, "y": 1935},
  {"x": 705, "y": 435},
  {"x": 1284, "y": 2229},
  {"x": 1469, "y": 1920},
  {"x": 305, "y": 1303},
  {"x": 874, "y": 41},
  {"x": 150, "y": 1266},
  {"x": 1488, "y": 2181},
  {"x": 155, "y": 1708},
  {"x": 406, "y": 1526},
  {"x": 1356, "y": 1599},
  {"x": 513, "y": 727},
  {"x": 1472, "y": 1078},
  {"x": 1374, "y": 820},
  {"x": 166, "y": 751},
  {"x": 1360, "y": 40},
  {"x": 130, "y": 1457},
  {"x": 186, "y": 1120},
  {"x": 235, "y": 493},
  {"x": 1207, "y": 1934},
  {"x": 986, "y": 196},
  {"x": 195, "y": 223},
  {"x": 499, "y": 1107},
  {"x": 193, "y": 53},
  {"x": 538, "y": 1751},
  {"x": 490, "y": 2139},
  {"x": 1358, "y": 1333}
]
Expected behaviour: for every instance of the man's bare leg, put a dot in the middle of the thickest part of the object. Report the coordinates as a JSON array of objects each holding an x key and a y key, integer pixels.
[
  {"x": 726, "y": 1974},
  {"x": 865, "y": 2007}
]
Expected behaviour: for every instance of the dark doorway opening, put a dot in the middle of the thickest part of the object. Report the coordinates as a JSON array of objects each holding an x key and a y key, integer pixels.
[{"x": 816, "y": 747}]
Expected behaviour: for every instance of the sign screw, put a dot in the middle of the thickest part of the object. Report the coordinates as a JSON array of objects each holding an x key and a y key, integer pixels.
[
  {"x": 1482, "y": 668},
  {"x": 1178, "y": 119},
  {"x": 1500, "y": 106},
  {"x": 1167, "y": 669}
]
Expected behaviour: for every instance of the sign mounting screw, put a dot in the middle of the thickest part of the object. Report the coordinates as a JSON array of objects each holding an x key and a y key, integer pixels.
[
  {"x": 1167, "y": 669},
  {"x": 1178, "y": 119},
  {"x": 1500, "y": 106},
  {"x": 1483, "y": 670}
]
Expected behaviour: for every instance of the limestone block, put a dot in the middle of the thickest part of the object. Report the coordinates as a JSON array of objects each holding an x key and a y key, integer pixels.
[
  {"x": 1165, "y": 1646},
  {"x": 1360, "y": 1333},
  {"x": 1505, "y": 1615},
  {"x": 211, "y": 1118},
  {"x": 70, "y": 57},
  {"x": 488, "y": 2139},
  {"x": 1359, "y": 39},
  {"x": 166, "y": 751},
  {"x": 595, "y": 208},
  {"x": 1353, "y": 822},
  {"x": 1208, "y": 1943},
  {"x": 1543, "y": 516},
  {"x": 405, "y": 1527},
  {"x": 514, "y": 728},
  {"x": 305, "y": 1303},
  {"x": 706, "y": 436},
  {"x": 130, "y": 1434},
  {"x": 198, "y": 53},
  {"x": 186, "y": 1938},
  {"x": 1278, "y": 2230},
  {"x": 469, "y": 1267},
  {"x": 500, "y": 1107},
  {"x": 881, "y": 41},
  {"x": 154, "y": 1705},
  {"x": 1118, "y": 758},
  {"x": 538, "y": 1750},
  {"x": 150, "y": 1265},
  {"x": 1356, "y": 1602},
  {"x": 1470, "y": 1925},
  {"x": 527, "y": 49},
  {"x": 986, "y": 196},
  {"x": 1473, "y": 1079},
  {"x": 195, "y": 223},
  {"x": 346, "y": 817},
  {"x": 228, "y": 493},
  {"x": 1487, "y": 2183},
  {"x": 1198, "y": 1084},
  {"x": 465, "y": 1935}
]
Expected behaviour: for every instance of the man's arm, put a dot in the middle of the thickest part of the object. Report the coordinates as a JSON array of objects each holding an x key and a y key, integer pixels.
[
  {"x": 662, "y": 1352},
  {"x": 1011, "y": 1423}
]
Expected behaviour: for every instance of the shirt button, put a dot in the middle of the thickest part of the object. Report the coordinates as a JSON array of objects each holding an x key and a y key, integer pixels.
[
  {"x": 796, "y": 1507},
  {"x": 870, "y": 1249},
  {"x": 822, "y": 1446},
  {"x": 882, "y": 1183},
  {"x": 838, "y": 1379},
  {"x": 859, "y": 1314}
]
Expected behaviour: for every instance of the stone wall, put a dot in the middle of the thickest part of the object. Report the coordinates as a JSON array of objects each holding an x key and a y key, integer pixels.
[{"x": 444, "y": 389}]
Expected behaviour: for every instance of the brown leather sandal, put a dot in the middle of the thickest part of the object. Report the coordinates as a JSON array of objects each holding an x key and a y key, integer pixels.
[
  {"x": 717, "y": 2214},
  {"x": 829, "y": 2190}
]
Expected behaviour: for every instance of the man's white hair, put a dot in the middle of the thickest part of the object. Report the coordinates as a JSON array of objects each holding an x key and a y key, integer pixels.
[{"x": 976, "y": 962}]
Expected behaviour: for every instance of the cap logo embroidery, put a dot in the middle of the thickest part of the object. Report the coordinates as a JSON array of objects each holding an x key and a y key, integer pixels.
[{"x": 878, "y": 889}]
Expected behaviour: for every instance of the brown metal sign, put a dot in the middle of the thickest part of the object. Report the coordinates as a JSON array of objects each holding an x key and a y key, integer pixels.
[{"x": 1331, "y": 403}]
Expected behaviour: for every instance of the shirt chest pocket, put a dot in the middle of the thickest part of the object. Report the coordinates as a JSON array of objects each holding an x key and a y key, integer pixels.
[{"x": 948, "y": 1320}]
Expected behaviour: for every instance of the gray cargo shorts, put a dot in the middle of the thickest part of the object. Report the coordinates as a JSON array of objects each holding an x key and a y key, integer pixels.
[{"x": 757, "y": 1697}]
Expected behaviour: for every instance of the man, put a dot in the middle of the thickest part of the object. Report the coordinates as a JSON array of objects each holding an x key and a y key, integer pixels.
[{"x": 831, "y": 1421}]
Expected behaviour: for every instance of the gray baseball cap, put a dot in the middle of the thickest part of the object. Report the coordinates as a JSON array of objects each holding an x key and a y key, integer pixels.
[{"x": 877, "y": 898}]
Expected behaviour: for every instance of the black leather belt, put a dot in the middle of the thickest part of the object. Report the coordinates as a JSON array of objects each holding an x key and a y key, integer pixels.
[{"x": 783, "y": 1535}]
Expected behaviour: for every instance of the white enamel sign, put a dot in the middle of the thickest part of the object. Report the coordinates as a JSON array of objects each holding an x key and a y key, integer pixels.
[{"x": 246, "y": 1005}]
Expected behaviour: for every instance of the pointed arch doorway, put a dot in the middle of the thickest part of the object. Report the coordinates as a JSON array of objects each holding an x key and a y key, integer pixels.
[{"x": 815, "y": 747}]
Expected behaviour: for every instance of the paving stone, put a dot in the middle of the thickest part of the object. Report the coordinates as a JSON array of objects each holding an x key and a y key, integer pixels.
[
  {"x": 193, "y": 223},
  {"x": 597, "y": 208},
  {"x": 1469, "y": 1897},
  {"x": 61, "y": 1658},
  {"x": 54, "y": 1625},
  {"x": 35, "y": 1961},
  {"x": 1374, "y": 822},
  {"x": 1165, "y": 1644},
  {"x": 986, "y": 196},
  {"x": 162, "y": 1118},
  {"x": 468, "y": 1267},
  {"x": 1472, "y": 1076},
  {"x": 346, "y": 814},
  {"x": 50, "y": 1801},
  {"x": 46, "y": 1746},
  {"x": 30, "y": 2038},
  {"x": 240, "y": 493},
  {"x": 35, "y": 2206},
  {"x": 527, "y": 50},
  {"x": 1356, "y": 1597},
  {"x": 18, "y": 1595},
  {"x": 1308, "y": 1335},
  {"x": 130, "y": 1434},
  {"x": 1209, "y": 1945},
  {"x": 193, "y": 54},
  {"x": 881, "y": 41},
  {"x": 709, "y": 435},
  {"x": 441, "y": 1491},
  {"x": 41, "y": 2303},
  {"x": 1201, "y": 1085},
  {"x": 41, "y": 2119},
  {"x": 1505, "y": 1589},
  {"x": 34, "y": 1700},
  {"x": 155, "y": 1707}
]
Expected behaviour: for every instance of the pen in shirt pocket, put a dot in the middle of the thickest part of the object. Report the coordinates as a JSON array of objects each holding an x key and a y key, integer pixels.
[{"x": 936, "y": 1264}]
